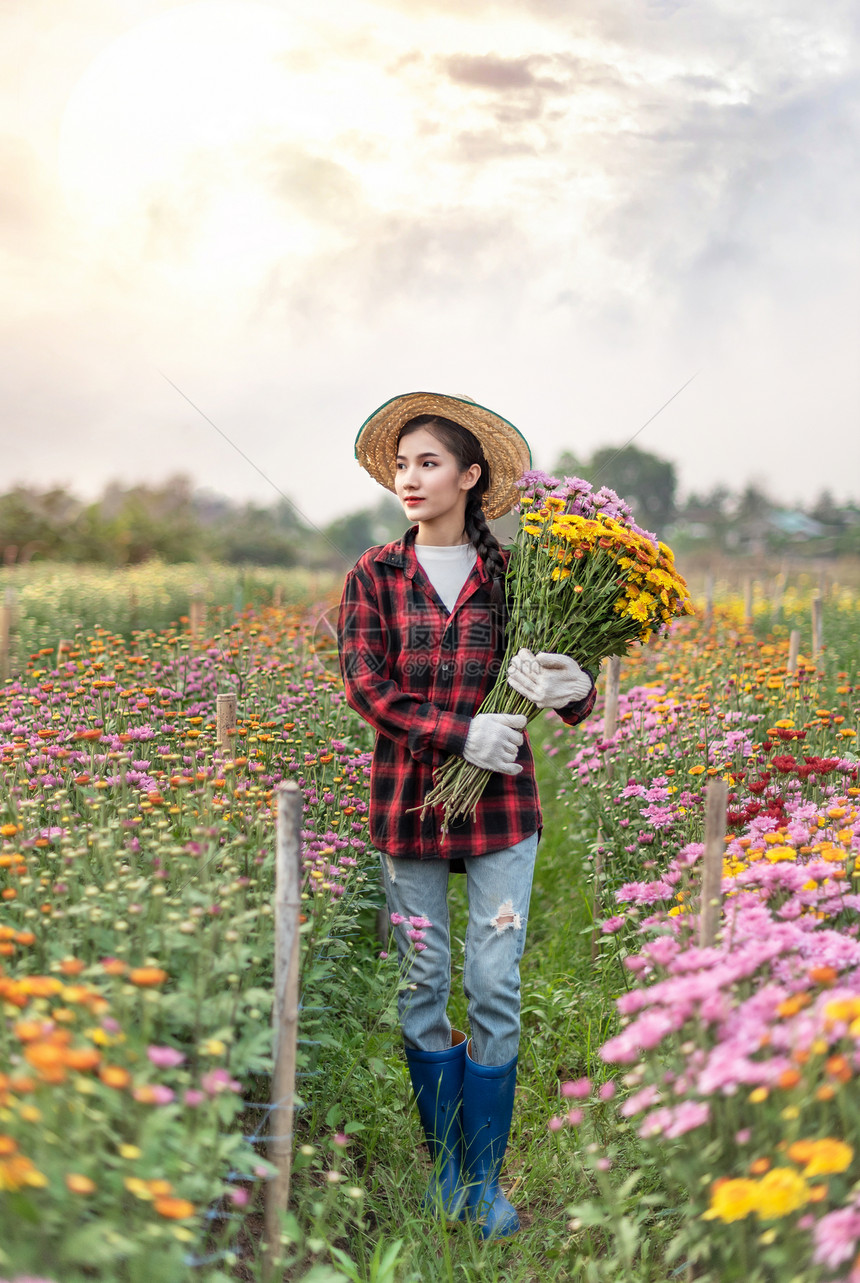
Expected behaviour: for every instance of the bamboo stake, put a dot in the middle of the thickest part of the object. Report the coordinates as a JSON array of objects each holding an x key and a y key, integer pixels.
[
  {"x": 610, "y": 712},
  {"x": 196, "y": 616},
  {"x": 709, "y": 596},
  {"x": 793, "y": 649},
  {"x": 817, "y": 628},
  {"x": 278, "y": 597},
  {"x": 716, "y": 799},
  {"x": 596, "y": 904},
  {"x": 285, "y": 1009},
  {"x": 748, "y": 600},
  {"x": 225, "y": 714},
  {"x": 7, "y": 620}
]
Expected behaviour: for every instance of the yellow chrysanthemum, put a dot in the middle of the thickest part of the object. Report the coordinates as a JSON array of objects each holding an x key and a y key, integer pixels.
[
  {"x": 781, "y": 1191},
  {"x": 822, "y": 1157},
  {"x": 732, "y": 1200}
]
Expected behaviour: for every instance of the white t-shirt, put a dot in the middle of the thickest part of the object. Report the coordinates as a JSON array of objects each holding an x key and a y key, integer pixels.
[{"x": 447, "y": 568}]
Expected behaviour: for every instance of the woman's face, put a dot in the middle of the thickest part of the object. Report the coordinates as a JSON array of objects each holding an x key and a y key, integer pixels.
[{"x": 427, "y": 480}]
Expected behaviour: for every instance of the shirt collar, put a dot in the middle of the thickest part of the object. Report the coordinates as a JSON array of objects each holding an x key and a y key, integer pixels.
[{"x": 401, "y": 553}]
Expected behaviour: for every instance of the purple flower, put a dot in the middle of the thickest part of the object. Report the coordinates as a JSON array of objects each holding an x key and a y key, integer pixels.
[
  {"x": 216, "y": 1081},
  {"x": 640, "y": 1100},
  {"x": 536, "y": 479},
  {"x": 578, "y": 1089},
  {"x": 165, "y": 1057},
  {"x": 836, "y": 1237}
]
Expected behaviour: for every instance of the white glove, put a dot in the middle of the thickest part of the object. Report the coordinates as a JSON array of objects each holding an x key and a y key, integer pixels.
[
  {"x": 493, "y": 741},
  {"x": 549, "y": 681}
]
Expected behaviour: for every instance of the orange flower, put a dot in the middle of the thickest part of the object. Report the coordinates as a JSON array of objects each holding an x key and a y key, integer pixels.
[
  {"x": 839, "y": 1068},
  {"x": 79, "y": 1184},
  {"x": 16, "y": 1171},
  {"x": 800, "y": 1151},
  {"x": 114, "y": 1076},
  {"x": 82, "y": 1058},
  {"x": 41, "y": 986},
  {"x": 72, "y": 966},
  {"x": 174, "y": 1209},
  {"x": 147, "y": 977},
  {"x": 788, "y": 1078},
  {"x": 48, "y": 1059},
  {"x": 28, "y": 1030}
]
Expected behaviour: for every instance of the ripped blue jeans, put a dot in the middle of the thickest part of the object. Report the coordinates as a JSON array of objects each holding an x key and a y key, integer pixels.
[{"x": 499, "y": 888}]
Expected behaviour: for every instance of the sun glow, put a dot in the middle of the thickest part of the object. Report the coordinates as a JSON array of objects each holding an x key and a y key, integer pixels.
[{"x": 172, "y": 142}]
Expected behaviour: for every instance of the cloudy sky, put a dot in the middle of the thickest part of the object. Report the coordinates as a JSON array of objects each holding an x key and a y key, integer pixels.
[{"x": 294, "y": 210}]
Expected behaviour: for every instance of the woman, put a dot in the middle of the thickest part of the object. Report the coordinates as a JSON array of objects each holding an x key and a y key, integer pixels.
[{"x": 421, "y": 636}]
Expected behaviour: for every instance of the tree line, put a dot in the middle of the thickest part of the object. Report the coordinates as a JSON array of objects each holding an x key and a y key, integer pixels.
[{"x": 172, "y": 521}]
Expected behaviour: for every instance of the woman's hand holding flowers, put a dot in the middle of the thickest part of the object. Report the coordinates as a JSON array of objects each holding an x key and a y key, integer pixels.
[
  {"x": 548, "y": 680},
  {"x": 494, "y": 740}
]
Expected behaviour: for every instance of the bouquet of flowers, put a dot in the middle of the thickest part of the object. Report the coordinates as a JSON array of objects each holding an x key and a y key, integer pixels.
[{"x": 583, "y": 579}]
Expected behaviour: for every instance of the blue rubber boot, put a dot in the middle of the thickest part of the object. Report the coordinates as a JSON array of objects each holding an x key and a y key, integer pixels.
[
  {"x": 437, "y": 1080},
  {"x": 488, "y": 1106}
]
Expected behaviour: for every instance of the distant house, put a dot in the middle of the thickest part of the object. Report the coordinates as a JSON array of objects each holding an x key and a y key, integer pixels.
[{"x": 795, "y": 524}]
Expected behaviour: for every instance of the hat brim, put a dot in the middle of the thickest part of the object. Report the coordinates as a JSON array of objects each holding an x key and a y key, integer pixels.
[{"x": 505, "y": 448}]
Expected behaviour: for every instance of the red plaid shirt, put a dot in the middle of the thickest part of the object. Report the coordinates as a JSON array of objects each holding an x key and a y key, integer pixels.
[{"x": 418, "y": 675}]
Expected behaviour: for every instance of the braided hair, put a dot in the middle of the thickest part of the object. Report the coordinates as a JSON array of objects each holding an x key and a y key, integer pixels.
[{"x": 467, "y": 450}]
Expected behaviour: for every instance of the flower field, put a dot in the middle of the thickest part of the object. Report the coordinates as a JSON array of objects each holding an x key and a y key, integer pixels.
[
  {"x": 136, "y": 933},
  {"x": 705, "y": 1125},
  {"x": 736, "y": 1065},
  {"x": 55, "y": 601}
]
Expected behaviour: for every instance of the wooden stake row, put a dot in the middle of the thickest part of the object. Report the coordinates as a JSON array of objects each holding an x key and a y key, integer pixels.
[
  {"x": 610, "y": 711},
  {"x": 7, "y": 629},
  {"x": 716, "y": 801},
  {"x": 285, "y": 1010},
  {"x": 225, "y": 718},
  {"x": 5, "y": 641}
]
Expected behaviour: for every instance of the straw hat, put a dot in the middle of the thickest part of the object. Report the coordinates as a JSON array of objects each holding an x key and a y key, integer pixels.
[{"x": 505, "y": 449}]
